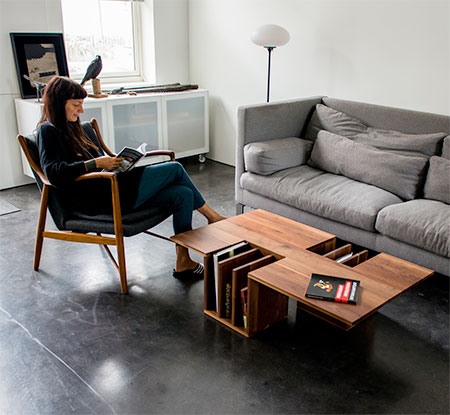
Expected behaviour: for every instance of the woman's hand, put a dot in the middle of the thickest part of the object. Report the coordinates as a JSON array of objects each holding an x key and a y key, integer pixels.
[{"x": 107, "y": 162}]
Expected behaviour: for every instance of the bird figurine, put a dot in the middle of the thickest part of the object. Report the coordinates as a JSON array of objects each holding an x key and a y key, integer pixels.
[
  {"x": 38, "y": 85},
  {"x": 93, "y": 69}
]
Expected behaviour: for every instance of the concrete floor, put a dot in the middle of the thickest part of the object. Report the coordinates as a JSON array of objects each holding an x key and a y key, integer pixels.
[{"x": 71, "y": 343}]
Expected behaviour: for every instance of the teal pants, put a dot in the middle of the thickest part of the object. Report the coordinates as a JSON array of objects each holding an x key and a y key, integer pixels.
[{"x": 168, "y": 185}]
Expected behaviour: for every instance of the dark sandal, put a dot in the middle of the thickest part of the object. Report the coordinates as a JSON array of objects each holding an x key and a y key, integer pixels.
[{"x": 197, "y": 272}]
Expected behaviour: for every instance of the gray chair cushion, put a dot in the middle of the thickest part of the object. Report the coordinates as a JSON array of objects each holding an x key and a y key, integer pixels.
[
  {"x": 437, "y": 185},
  {"x": 422, "y": 223},
  {"x": 268, "y": 157},
  {"x": 398, "y": 174},
  {"x": 446, "y": 148},
  {"x": 409, "y": 144},
  {"x": 133, "y": 223},
  {"x": 327, "y": 195}
]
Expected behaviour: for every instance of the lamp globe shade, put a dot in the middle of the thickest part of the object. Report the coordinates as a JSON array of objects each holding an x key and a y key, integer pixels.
[{"x": 270, "y": 35}]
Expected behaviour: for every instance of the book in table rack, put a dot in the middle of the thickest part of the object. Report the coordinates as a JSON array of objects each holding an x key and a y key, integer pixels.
[
  {"x": 221, "y": 255},
  {"x": 327, "y": 287},
  {"x": 130, "y": 157},
  {"x": 244, "y": 302}
]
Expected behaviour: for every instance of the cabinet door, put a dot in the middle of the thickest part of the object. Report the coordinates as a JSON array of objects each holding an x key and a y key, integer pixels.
[
  {"x": 185, "y": 118},
  {"x": 134, "y": 121},
  {"x": 97, "y": 111}
]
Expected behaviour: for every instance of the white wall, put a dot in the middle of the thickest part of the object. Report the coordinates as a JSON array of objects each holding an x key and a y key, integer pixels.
[
  {"x": 170, "y": 46},
  {"x": 171, "y": 41},
  {"x": 393, "y": 53},
  {"x": 18, "y": 16}
]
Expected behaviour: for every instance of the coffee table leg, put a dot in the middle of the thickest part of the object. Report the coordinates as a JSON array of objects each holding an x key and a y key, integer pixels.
[{"x": 265, "y": 307}]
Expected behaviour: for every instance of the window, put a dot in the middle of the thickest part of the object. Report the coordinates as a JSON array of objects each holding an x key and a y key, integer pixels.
[{"x": 109, "y": 28}]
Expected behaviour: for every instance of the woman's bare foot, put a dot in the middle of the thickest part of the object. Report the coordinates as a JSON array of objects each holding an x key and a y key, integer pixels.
[
  {"x": 184, "y": 261},
  {"x": 216, "y": 218},
  {"x": 210, "y": 214}
]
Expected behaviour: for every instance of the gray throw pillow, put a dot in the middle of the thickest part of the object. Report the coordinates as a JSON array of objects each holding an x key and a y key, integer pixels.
[
  {"x": 398, "y": 174},
  {"x": 446, "y": 148},
  {"x": 407, "y": 144},
  {"x": 437, "y": 186},
  {"x": 268, "y": 157}
]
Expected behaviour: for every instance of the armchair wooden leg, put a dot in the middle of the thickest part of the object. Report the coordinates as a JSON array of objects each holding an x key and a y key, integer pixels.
[
  {"x": 122, "y": 266},
  {"x": 40, "y": 228}
]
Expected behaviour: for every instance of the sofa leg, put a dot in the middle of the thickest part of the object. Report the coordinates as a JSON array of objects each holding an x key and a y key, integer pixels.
[{"x": 239, "y": 208}]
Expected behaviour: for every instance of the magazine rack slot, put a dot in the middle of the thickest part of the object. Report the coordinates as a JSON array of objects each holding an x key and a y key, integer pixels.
[
  {"x": 324, "y": 247},
  {"x": 239, "y": 281},
  {"x": 357, "y": 258},
  {"x": 224, "y": 281},
  {"x": 209, "y": 294},
  {"x": 343, "y": 252},
  {"x": 339, "y": 252}
]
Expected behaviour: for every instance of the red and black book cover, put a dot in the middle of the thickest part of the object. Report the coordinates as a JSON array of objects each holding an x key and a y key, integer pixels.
[{"x": 327, "y": 287}]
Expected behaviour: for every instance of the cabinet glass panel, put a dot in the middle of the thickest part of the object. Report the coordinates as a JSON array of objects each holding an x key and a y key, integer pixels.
[
  {"x": 185, "y": 124},
  {"x": 135, "y": 124},
  {"x": 95, "y": 112}
]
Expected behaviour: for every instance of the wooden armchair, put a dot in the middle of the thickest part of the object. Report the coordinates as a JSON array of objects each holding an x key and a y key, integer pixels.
[{"x": 77, "y": 227}]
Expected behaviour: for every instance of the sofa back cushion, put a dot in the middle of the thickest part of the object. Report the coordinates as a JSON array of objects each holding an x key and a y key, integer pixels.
[
  {"x": 268, "y": 157},
  {"x": 390, "y": 118},
  {"x": 340, "y": 123},
  {"x": 446, "y": 148},
  {"x": 396, "y": 173},
  {"x": 437, "y": 185}
]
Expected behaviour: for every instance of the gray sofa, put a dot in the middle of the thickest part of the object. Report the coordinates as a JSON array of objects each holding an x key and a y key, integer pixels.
[{"x": 376, "y": 176}]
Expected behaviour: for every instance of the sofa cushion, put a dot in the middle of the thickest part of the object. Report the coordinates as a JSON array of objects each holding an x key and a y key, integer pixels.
[
  {"x": 268, "y": 157},
  {"x": 437, "y": 185},
  {"x": 446, "y": 148},
  {"x": 422, "y": 223},
  {"x": 327, "y": 195},
  {"x": 408, "y": 144},
  {"x": 398, "y": 174},
  {"x": 338, "y": 123}
]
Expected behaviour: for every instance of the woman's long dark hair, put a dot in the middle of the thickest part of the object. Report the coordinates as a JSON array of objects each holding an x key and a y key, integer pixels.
[{"x": 57, "y": 92}]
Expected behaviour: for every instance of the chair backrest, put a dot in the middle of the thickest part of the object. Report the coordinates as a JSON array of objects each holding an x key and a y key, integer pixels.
[
  {"x": 92, "y": 132},
  {"x": 30, "y": 149},
  {"x": 59, "y": 212}
]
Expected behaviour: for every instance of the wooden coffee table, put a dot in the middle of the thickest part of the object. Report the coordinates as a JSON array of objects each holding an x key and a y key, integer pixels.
[{"x": 279, "y": 267}]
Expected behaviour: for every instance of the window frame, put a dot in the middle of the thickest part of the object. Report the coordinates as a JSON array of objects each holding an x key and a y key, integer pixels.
[{"x": 132, "y": 76}]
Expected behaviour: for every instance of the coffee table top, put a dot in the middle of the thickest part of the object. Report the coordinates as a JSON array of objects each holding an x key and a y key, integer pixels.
[
  {"x": 382, "y": 277},
  {"x": 258, "y": 227}
]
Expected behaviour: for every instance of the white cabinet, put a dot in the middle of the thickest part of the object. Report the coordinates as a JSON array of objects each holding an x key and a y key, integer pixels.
[
  {"x": 185, "y": 120},
  {"x": 175, "y": 121}
]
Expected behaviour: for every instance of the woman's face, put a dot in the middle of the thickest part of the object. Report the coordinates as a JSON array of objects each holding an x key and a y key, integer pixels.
[{"x": 74, "y": 107}]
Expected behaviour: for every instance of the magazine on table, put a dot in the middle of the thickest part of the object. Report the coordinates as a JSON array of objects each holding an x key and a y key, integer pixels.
[{"x": 327, "y": 287}]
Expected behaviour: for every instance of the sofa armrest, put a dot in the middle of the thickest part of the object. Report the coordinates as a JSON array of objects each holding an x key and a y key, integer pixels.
[{"x": 269, "y": 121}]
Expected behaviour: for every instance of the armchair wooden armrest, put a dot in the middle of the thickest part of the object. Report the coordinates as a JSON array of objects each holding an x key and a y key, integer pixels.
[
  {"x": 97, "y": 175},
  {"x": 168, "y": 153},
  {"x": 151, "y": 153}
]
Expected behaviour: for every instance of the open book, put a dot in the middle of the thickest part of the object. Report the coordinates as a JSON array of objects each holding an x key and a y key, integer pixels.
[{"x": 130, "y": 157}]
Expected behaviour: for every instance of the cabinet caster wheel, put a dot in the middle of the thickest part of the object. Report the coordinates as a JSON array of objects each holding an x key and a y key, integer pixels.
[{"x": 201, "y": 158}]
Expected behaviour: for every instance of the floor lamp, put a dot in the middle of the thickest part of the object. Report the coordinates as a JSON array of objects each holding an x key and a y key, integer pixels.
[{"x": 270, "y": 36}]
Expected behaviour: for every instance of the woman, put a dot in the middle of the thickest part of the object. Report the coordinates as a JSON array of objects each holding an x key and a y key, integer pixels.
[{"x": 66, "y": 153}]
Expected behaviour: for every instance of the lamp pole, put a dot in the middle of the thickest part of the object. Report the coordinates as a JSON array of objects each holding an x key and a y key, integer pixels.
[{"x": 269, "y": 49}]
